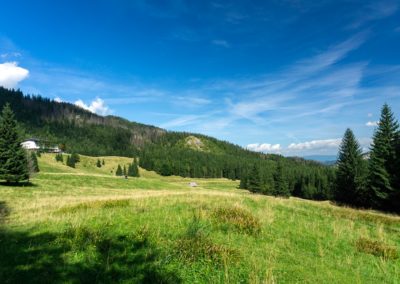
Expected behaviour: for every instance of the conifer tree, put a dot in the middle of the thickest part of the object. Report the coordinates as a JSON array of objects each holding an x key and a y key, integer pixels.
[
  {"x": 70, "y": 162},
  {"x": 133, "y": 170},
  {"x": 254, "y": 180},
  {"x": 98, "y": 164},
  {"x": 351, "y": 172},
  {"x": 382, "y": 166},
  {"x": 34, "y": 162},
  {"x": 281, "y": 185},
  {"x": 13, "y": 161},
  {"x": 119, "y": 172},
  {"x": 103, "y": 162},
  {"x": 124, "y": 171},
  {"x": 243, "y": 180}
]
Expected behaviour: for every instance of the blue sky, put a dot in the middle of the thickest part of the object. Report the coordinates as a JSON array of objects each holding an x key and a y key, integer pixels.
[{"x": 279, "y": 76}]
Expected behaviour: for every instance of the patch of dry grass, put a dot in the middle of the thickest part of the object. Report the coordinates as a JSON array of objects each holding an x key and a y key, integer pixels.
[
  {"x": 377, "y": 248},
  {"x": 242, "y": 220}
]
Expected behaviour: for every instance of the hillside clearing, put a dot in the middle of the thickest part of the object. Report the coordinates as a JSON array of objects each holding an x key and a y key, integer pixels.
[{"x": 86, "y": 225}]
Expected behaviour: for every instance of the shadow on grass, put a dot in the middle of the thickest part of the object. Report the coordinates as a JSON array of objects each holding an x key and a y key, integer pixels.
[
  {"x": 79, "y": 256},
  {"x": 4, "y": 211},
  {"x": 17, "y": 184}
]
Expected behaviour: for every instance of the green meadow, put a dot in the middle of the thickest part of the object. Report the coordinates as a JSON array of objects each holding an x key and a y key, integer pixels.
[{"x": 85, "y": 225}]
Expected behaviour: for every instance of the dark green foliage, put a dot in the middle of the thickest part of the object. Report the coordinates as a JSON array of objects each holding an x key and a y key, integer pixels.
[
  {"x": 351, "y": 172},
  {"x": 133, "y": 170},
  {"x": 98, "y": 163},
  {"x": 281, "y": 184},
  {"x": 125, "y": 173},
  {"x": 254, "y": 180},
  {"x": 70, "y": 162},
  {"x": 103, "y": 162},
  {"x": 382, "y": 166},
  {"x": 33, "y": 163},
  {"x": 119, "y": 171},
  {"x": 39, "y": 154},
  {"x": 75, "y": 157},
  {"x": 59, "y": 158},
  {"x": 13, "y": 160}
]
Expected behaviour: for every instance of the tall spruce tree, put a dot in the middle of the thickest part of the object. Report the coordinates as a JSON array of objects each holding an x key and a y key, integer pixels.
[
  {"x": 13, "y": 159},
  {"x": 34, "y": 163},
  {"x": 351, "y": 172},
  {"x": 254, "y": 180},
  {"x": 119, "y": 172},
  {"x": 382, "y": 166},
  {"x": 281, "y": 185}
]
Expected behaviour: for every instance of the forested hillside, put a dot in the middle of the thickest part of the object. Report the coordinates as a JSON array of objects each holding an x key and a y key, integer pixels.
[{"x": 168, "y": 153}]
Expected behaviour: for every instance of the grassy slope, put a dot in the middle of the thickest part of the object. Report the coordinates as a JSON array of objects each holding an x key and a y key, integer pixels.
[{"x": 85, "y": 225}]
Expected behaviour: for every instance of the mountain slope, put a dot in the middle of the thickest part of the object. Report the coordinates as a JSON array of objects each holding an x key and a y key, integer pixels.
[{"x": 166, "y": 152}]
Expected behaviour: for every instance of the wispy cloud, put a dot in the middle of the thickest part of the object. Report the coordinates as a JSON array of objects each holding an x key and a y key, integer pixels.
[
  {"x": 221, "y": 42},
  {"x": 376, "y": 10}
]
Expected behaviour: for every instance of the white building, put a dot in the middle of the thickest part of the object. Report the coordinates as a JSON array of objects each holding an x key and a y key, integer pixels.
[
  {"x": 33, "y": 145},
  {"x": 30, "y": 144}
]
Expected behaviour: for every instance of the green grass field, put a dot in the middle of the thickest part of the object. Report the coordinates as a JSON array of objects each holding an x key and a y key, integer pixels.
[{"x": 85, "y": 225}]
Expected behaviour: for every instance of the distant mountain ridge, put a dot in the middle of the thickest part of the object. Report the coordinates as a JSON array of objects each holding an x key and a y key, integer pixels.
[
  {"x": 88, "y": 133},
  {"x": 321, "y": 158}
]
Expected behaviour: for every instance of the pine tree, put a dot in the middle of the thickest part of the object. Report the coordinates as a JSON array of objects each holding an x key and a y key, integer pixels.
[
  {"x": 133, "y": 170},
  {"x": 34, "y": 161},
  {"x": 396, "y": 196},
  {"x": 254, "y": 180},
  {"x": 351, "y": 172},
  {"x": 59, "y": 158},
  {"x": 119, "y": 172},
  {"x": 75, "y": 158},
  {"x": 243, "y": 180},
  {"x": 70, "y": 162},
  {"x": 98, "y": 164},
  {"x": 124, "y": 171},
  {"x": 281, "y": 185},
  {"x": 382, "y": 166},
  {"x": 13, "y": 161},
  {"x": 103, "y": 162}
]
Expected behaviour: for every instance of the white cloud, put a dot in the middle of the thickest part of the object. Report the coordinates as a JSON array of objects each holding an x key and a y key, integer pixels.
[
  {"x": 371, "y": 123},
  {"x": 96, "y": 106},
  {"x": 11, "y": 74},
  {"x": 315, "y": 144},
  {"x": 58, "y": 100},
  {"x": 265, "y": 147}
]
